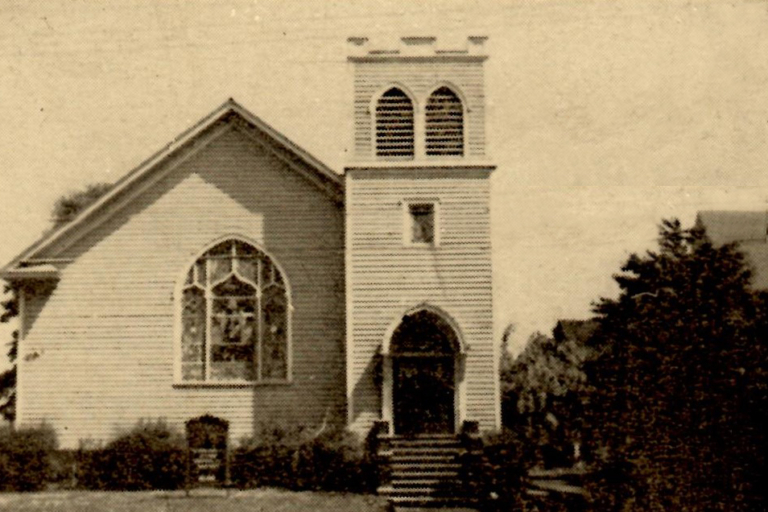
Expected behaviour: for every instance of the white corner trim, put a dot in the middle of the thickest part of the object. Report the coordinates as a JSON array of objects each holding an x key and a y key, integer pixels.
[
  {"x": 20, "y": 348},
  {"x": 387, "y": 392},
  {"x": 349, "y": 303}
]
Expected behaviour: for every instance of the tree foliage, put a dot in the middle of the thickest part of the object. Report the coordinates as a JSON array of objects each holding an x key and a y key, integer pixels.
[
  {"x": 10, "y": 309},
  {"x": 678, "y": 393},
  {"x": 542, "y": 396},
  {"x": 64, "y": 210},
  {"x": 67, "y": 207}
]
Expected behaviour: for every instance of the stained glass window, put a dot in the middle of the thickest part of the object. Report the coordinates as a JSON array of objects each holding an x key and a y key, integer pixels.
[{"x": 234, "y": 315}]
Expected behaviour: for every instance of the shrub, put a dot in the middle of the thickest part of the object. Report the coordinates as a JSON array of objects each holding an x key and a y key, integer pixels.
[
  {"x": 495, "y": 471},
  {"x": 150, "y": 456},
  {"x": 612, "y": 484},
  {"x": 335, "y": 460},
  {"x": 300, "y": 459},
  {"x": 25, "y": 458},
  {"x": 63, "y": 469},
  {"x": 266, "y": 458}
]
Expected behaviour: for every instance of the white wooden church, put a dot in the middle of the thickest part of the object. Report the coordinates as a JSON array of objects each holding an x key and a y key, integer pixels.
[{"x": 234, "y": 274}]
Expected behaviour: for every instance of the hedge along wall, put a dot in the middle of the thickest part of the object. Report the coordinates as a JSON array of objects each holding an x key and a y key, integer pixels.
[
  {"x": 154, "y": 456},
  {"x": 26, "y": 458}
]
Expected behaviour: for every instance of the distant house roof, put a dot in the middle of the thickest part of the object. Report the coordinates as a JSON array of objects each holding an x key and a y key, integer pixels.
[
  {"x": 748, "y": 229},
  {"x": 724, "y": 227}
]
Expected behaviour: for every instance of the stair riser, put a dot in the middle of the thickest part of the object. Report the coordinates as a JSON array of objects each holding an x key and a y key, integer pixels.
[
  {"x": 427, "y": 468},
  {"x": 436, "y": 461},
  {"x": 424, "y": 443},
  {"x": 432, "y": 502},
  {"x": 416, "y": 492},
  {"x": 448, "y": 488},
  {"x": 423, "y": 475},
  {"x": 423, "y": 449},
  {"x": 422, "y": 471}
]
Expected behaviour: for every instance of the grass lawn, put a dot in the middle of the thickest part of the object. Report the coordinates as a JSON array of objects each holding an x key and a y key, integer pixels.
[{"x": 200, "y": 500}]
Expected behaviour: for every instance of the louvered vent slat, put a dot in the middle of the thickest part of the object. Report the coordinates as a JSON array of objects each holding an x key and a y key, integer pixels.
[
  {"x": 394, "y": 125},
  {"x": 444, "y": 124}
]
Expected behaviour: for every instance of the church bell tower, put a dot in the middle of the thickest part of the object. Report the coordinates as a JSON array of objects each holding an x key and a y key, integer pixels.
[{"x": 420, "y": 348}]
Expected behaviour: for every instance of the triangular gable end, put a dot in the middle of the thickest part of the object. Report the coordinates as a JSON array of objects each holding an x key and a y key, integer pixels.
[{"x": 229, "y": 114}]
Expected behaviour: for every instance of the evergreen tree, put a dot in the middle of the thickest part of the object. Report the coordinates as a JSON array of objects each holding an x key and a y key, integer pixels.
[{"x": 678, "y": 393}]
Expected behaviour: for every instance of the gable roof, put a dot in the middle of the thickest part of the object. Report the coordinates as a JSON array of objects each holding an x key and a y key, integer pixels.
[
  {"x": 747, "y": 228},
  {"x": 229, "y": 114}
]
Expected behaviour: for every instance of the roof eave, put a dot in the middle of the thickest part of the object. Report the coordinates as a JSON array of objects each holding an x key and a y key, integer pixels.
[{"x": 39, "y": 272}]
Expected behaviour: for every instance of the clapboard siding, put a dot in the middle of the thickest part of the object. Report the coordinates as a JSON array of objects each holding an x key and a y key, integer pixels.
[
  {"x": 372, "y": 78},
  {"x": 386, "y": 278},
  {"x": 106, "y": 333}
]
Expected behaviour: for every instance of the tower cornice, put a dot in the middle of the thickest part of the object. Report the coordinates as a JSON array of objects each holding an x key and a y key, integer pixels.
[
  {"x": 417, "y": 49},
  {"x": 410, "y": 166}
]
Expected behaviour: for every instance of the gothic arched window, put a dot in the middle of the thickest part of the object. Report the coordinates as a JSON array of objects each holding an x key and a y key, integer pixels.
[
  {"x": 444, "y": 124},
  {"x": 234, "y": 317},
  {"x": 394, "y": 125}
]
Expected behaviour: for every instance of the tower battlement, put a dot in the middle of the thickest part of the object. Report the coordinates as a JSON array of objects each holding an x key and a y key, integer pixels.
[
  {"x": 415, "y": 46},
  {"x": 418, "y": 99}
]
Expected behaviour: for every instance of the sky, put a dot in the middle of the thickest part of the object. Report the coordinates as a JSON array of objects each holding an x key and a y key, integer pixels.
[{"x": 604, "y": 116}]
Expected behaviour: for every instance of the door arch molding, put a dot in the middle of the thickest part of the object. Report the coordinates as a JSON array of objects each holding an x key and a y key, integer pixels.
[
  {"x": 436, "y": 362},
  {"x": 386, "y": 344}
]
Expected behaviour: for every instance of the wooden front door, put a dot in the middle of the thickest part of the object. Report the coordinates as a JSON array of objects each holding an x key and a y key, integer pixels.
[{"x": 423, "y": 394}]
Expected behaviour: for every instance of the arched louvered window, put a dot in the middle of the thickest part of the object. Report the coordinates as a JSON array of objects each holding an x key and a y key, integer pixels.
[
  {"x": 444, "y": 124},
  {"x": 394, "y": 125},
  {"x": 234, "y": 317}
]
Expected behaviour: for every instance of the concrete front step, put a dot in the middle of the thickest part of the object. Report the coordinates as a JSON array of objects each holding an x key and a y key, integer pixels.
[
  {"x": 420, "y": 452},
  {"x": 423, "y": 470},
  {"x": 425, "y": 483},
  {"x": 420, "y": 474},
  {"x": 448, "y": 507},
  {"x": 428, "y": 442},
  {"x": 425, "y": 466},
  {"x": 447, "y": 443},
  {"x": 429, "y": 502},
  {"x": 420, "y": 458},
  {"x": 424, "y": 447},
  {"x": 417, "y": 492}
]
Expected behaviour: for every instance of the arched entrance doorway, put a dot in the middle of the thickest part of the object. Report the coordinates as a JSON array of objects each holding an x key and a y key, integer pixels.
[{"x": 423, "y": 369}]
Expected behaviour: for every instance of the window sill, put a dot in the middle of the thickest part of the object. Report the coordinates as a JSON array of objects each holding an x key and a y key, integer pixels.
[
  {"x": 418, "y": 245},
  {"x": 230, "y": 384}
]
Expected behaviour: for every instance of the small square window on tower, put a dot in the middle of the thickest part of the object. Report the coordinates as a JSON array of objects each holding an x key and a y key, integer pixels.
[{"x": 421, "y": 224}]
